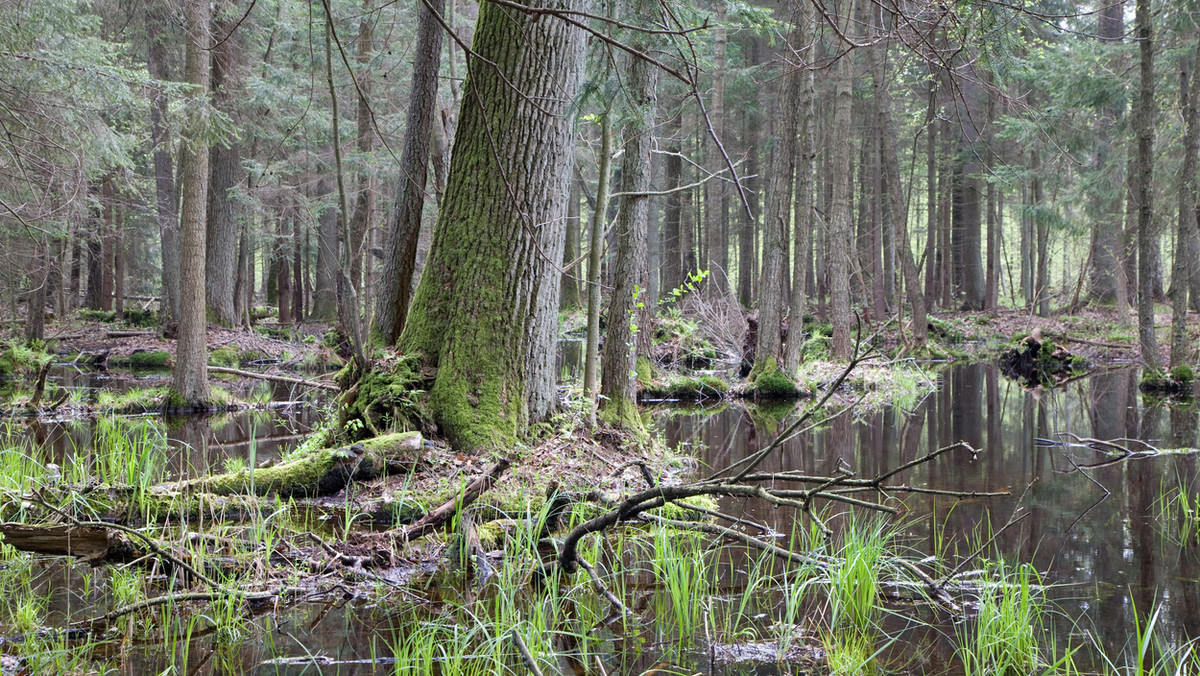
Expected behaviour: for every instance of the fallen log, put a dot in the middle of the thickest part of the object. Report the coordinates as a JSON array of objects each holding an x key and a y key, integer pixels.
[
  {"x": 93, "y": 544},
  {"x": 441, "y": 515},
  {"x": 274, "y": 378},
  {"x": 128, "y": 333},
  {"x": 314, "y": 473}
]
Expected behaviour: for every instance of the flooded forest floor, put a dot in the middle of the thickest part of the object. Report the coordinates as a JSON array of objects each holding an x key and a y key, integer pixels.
[{"x": 909, "y": 514}]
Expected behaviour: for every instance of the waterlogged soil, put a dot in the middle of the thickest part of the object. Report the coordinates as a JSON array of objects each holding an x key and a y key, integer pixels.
[{"x": 1099, "y": 536}]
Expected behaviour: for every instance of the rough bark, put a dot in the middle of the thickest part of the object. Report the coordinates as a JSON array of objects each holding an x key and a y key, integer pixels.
[
  {"x": 189, "y": 384},
  {"x": 391, "y": 311},
  {"x": 840, "y": 226},
  {"x": 364, "y": 204},
  {"x": 325, "y": 298},
  {"x": 166, "y": 200},
  {"x": 1105, "y": 202},
  {"x": 897, "y": 204},
  {"x": 1186, "y": 222},
  {"x": 803, "y": 224},
  {"x": 627, "y": 315},
  {"x": 224, "y": 206},
  {"x": 716, "y": 246},
  {"x": 1143, "y": 123},
  {"x": 779, "y": 209},
  {"x": 486, "y": 314},
  {"x": 591, "y": 360}
]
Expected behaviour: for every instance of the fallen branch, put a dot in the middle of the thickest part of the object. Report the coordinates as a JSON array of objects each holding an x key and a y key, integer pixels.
[
  {"x": 442, "y": 514},
  {"x": 274, "y": 378}
]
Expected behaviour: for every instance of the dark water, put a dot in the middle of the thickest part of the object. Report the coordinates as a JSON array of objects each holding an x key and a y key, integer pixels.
[{"x": 1102, "y": 555}]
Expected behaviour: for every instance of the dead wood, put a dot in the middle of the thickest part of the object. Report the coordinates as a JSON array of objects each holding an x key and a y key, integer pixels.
[
  {"x": 128, "y": 333},
  {"x": 85, "y": 542},
  {"x": 275, "y": 378},
  {"x": 441, "y": 515}
]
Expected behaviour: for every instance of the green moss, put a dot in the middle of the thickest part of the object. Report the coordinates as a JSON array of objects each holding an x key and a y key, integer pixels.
[
  {"x": 140, "y": 400},
  {"x": 1183, "y": 374},
  {"x": 104, "y": 316},
  {"x": 385, "y": 397},
  {"x": 143, "y": 360},
  {"x": 772, "y": 383},
  {"x": 687, "y": 388},
  {"x": 678, "y": 512},
  {"x": 226, "y": 355},
  {"x": 623, "y": 414},
  {"x": 645, "y": 372}
]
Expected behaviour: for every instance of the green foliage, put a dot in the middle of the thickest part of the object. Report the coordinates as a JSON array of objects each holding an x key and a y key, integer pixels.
[
  {"x": 20, "y": 359},
  {"x": 143, "y": 360},
  {"x": 1183, "y": 374},
  {"x": 1003, "y": 639},
  {"x": 773, "y": 383}
]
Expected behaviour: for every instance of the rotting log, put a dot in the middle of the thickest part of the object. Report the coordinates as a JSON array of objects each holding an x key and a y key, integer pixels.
[
  {"x": 310, "y": 474},
  {"x": 441, "y": 515},
  {"x": 93, "y": 544},
  {"x": 287, "y": 380}
]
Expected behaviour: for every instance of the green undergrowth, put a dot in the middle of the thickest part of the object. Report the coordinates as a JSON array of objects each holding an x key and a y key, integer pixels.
[
  {"x": 21, "y": 359},
  {"x": 157, "y": 359},
  {"x": 152, "y": 399},
  {"x": 233, "y": 356},
  {"x": 684, "y": 388}
]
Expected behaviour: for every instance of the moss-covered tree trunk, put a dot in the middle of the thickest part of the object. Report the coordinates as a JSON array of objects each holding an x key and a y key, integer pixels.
[
  {"x": 486, "y": 310},
  {"x": 626, "y": 309}
]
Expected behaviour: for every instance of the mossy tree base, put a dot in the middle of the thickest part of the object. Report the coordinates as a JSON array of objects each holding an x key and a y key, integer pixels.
[{"x": 770, "y": 382}]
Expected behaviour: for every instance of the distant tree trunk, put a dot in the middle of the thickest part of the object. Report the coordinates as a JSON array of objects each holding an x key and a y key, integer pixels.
[
  {"x": 897, "y": 201},
  {"x": 109, "y": 227},
  {"x": 1186, "y": 222},
  {"x": 189, "y": 383},
  {"x": 299, "y": 251},
  {"x": 716, "y": 245},
  {"x": 118, "y": 242},
  {"x": 1041, "y": 228},
  {"x": 391, "y": 312},
  {"x": 840, "y": 226},
  {"x": 931, "y": 228},
  {"x": 1105, "y": 202},
  {"x": 672, "y": 268},
  {"x": 779, "y": 207},
  {"x": 283, "y": 274},
  {"x": 747, "y": 255},
  {"x": 166, "y": 200},
  {"x": 570, "y": 279},
  {"x": 93, "y": 296},
  {"x": 627, "y": 314},
  {"x": 35, "y": 317},
  {"x": 76, "y": 265},
  {"x": 1143, "y": 124},
  {"x": 325, "y": 297},
  {"x": 243, "y": 287},
  {"x": 486, "y": 315},
  {"x": 591, "y": 361}
]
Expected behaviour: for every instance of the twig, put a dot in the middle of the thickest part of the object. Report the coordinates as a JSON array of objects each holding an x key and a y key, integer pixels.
[{"x": 523, "y": 649}]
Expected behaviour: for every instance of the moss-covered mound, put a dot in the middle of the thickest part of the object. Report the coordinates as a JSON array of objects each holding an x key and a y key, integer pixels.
[
  {"x": 1037, "y": 361},
  {"x": 385, "y": 397},
  {"x": 683, "y": 388},
  {"x": 1177, "y": 383},
  {"x": 771, "y": 382}
]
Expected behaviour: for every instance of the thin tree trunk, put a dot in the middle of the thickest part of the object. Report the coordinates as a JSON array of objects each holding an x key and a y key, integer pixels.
[
  {"x": 805, "y": 153},
  {"x": 391, "y": 311},
  {"x": 591, "y": 361},
  {"x": 1143, "y": 123},
  {"x": 714, "y": 191},
  {"x": 35, "y": 316},
  {"x": 1186, "y": 223},
  {"x": 360, "y": 221},
  {"x": 166, "y": 200},
  {"x": 189, "y": 384},
  {"x": 570, "y": 278},
  {"x": 283, "y": 272},
  {"x": 627, "y": 314}
]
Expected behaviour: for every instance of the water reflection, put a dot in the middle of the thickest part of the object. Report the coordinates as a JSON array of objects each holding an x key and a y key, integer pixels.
[{"x": 1103, "y": 553}]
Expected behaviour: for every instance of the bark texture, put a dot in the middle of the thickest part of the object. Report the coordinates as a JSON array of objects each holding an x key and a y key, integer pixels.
[
  {"x": 486, "y": 313},
  {"x": 626, "y": 310},
  {"x": 224, "y": 208},
  {"x": 1143, "y": 122},
  {"x": 840, "y": 226},
  {"x": 189, "y": 379},
  {"x": 395, "y": 290}
]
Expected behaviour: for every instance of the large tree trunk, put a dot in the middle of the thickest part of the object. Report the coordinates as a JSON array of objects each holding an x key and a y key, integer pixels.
[
  {"x": 779, "y": 210},
  {"x": 166, "y": 200},
  {"x": 391, "y": 312},
  {"x": 627, "y": 315},
  {"x": 224, "y": 207},
  {"x": 840, "y": 226},
  {"x": 486, "y": 313},
  {"x": 1143, "y": 124},
  {"x": 189, "y": 384}
]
